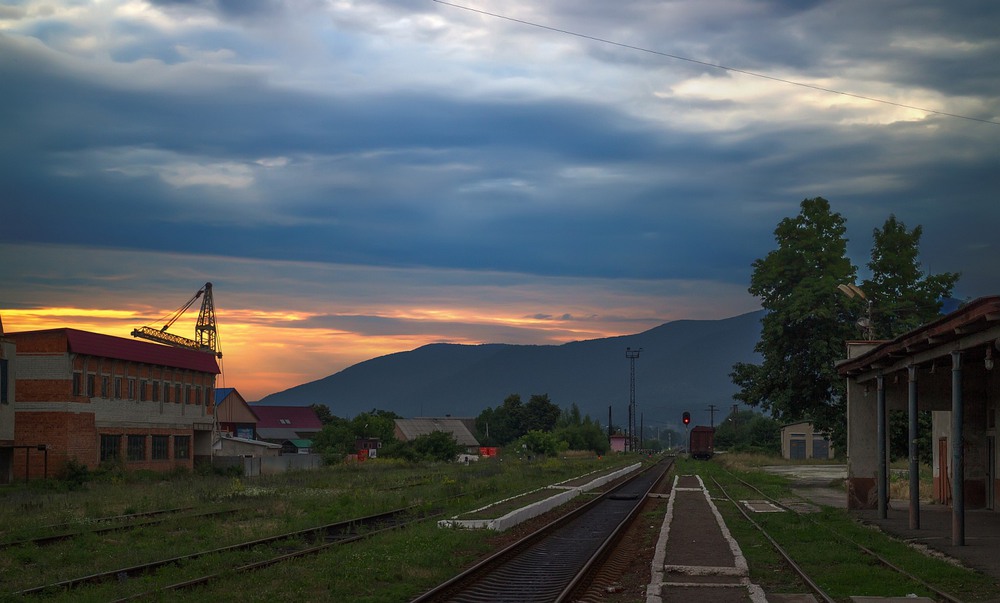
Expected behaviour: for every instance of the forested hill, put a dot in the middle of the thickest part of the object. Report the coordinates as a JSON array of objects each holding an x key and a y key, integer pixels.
[{"x": 684, "y": 365}]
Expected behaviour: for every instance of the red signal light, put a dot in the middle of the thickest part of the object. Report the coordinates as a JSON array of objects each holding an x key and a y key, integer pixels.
[{"x": 686, "y": 417}]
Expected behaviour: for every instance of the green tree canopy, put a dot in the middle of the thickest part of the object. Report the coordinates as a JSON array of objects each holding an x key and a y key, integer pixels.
[
  {"x": 902, "y": 296},
  {"x": 502, "y": 425},
  {"x": 540, "y": 414},
  {"x": 806, "y": 323}
]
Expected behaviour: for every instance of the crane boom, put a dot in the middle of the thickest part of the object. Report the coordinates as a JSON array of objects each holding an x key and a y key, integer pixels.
[{"x": 206, "y": 333}]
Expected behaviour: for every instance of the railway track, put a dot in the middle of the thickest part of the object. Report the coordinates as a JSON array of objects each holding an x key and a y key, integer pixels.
[
  {"x": 803, "y": 575},
  {"x": 556, "y": 562},
  {"x": 292, "y": 544},
  {"x": 117, "y": 523}
]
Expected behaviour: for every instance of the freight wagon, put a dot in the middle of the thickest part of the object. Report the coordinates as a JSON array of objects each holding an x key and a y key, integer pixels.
[{"x": 702, "y": 442}]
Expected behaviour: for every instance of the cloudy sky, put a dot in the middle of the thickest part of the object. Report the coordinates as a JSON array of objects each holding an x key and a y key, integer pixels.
[{"x": 359, "y": 178}]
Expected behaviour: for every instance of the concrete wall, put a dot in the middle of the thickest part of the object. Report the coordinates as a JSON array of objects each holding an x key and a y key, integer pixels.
[{"x": 270, "y": 465}]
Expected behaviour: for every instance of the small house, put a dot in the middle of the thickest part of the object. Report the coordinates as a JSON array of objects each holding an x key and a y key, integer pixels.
[
  {"x": 279, "y": 424},
  {"x": 234, "y": 415},
  {"x": 409, "y": 429}
]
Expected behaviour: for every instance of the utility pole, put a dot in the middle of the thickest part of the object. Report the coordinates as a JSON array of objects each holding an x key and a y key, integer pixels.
[
  {"x": 631, "y": 355},
  {"x": 711, "y": 410}
]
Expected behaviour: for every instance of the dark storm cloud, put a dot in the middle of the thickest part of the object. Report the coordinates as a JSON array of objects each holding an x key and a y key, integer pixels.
[{"x": 553, "y": 184}]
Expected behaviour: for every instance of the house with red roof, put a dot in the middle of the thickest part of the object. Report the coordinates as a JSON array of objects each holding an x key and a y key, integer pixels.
[
  {"x": 287, "y": 425},
  {"x": 96, "y": 398}
]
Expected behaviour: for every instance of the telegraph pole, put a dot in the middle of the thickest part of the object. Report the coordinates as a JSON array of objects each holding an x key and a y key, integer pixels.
[
  {"x": 711, "y": 410},
  {"x": 631, "y": 355}
]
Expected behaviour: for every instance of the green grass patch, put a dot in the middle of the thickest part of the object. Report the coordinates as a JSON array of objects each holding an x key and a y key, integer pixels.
[{"x": 821, "y": 544}]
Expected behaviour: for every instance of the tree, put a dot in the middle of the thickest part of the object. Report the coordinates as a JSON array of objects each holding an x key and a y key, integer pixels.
[
  {"x": 538, "y": 442},
  {"x": 902, "y": 296},
  {"x": 379, "y": 424},
  {"x": 502, "y": 425},
  {"x": 747, "y": 431},
  {"x": 540, "y": 414},
  {"x": 322, "y": 413},
  {"x": 335, "y": 440},
  {"x": 806, "y": 323},
  {"x": 339, "y": 436},
  {"x": 580, "y": 432},
  {"x": 437, "y": 446}
]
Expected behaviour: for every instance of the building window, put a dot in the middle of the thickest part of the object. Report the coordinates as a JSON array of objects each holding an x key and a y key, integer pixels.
[
  {"x": 105, "y": 382},
  {"x": 187, "y": 394},
  {"x": 131, "y": 389},
  {"x": 77, "y": 383},
  {"x": 166, "y": 392},
  {"x": 142, "y": 390},
  {"x": 118, "y": 388},
  {"x": 208, "y": 396},
  {"x": 136, "y": 447},
  {"x": 3, "y": 381},
  {"x": 182, "y": 447},
  {"x": 156, "y": 391},
  {"x": 91, "y": 382},
  {"x": 178, "y": 392},
  {"x": 110, "y": 447},
  {"x": 160, "y": 443}
]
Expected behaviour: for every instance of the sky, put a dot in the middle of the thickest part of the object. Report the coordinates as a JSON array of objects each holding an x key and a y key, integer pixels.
[{"x": 362, "y": 178}]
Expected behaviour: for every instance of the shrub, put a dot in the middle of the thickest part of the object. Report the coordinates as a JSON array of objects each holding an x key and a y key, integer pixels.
[{"x": 75, "y": 474}]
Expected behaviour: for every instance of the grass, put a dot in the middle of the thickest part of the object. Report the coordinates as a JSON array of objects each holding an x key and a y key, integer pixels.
[
  {"x": 820, "y": 544},
  {"x": 392, "y": 566}
]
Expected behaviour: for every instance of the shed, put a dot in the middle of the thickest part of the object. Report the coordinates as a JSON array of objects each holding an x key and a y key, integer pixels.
[
  {"x": 229, "y": 445},
  {"x": 799, "y": 441},
  {"x": 296, "y": 446}
]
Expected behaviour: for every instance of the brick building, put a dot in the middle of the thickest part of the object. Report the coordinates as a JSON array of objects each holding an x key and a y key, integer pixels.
[
  {"x": 97, "y": 398},
  {"x": 7, "y": 353}
]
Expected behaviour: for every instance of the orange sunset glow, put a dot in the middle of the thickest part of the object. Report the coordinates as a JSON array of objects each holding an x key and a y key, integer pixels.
[{"x": 266, "y": 351}]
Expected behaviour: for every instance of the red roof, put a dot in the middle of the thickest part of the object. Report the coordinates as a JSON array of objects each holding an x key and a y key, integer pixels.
[
  {"x": 108, "y": 346},
  {"x": 297, "y": 417}
]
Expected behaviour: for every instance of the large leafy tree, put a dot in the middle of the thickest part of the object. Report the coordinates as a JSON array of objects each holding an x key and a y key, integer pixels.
[
  {"x": 901, "y": 294},
  {"x": 806, "y": 323},
  {"x": 540, "y": 414},
  {"x": 903, "y": 297},
  {"x": 503, "y": 424}
]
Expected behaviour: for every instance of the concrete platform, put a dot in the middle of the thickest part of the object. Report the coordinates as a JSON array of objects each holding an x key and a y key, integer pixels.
[{"x": 982, "y": 533}]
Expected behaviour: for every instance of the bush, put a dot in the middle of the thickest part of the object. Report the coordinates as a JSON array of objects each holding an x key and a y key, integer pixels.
[{"x": 75, "y": 474}]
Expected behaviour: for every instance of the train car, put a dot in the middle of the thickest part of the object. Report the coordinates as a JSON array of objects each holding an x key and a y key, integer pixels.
[{"x": 702, "y": 442}]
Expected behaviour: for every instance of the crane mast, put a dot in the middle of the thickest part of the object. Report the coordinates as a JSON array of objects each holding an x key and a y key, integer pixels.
[{"x": 206, "y": 333}]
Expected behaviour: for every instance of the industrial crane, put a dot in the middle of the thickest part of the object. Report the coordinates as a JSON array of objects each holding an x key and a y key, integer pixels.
[{"x": 206, "y": 335}]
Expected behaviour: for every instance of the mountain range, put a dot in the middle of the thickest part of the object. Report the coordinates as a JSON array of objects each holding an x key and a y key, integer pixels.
[{"x": 683, "y": 365}]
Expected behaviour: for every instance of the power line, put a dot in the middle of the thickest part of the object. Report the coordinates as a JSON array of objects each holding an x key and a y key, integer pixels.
[{"x": 717, "y": 66}]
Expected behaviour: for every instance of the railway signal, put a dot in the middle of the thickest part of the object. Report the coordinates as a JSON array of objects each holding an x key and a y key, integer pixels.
[{"x": 686, "y": 418}]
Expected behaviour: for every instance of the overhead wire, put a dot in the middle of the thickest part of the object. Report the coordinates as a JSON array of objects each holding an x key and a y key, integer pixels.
[{"x": 716, "y": 65}]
